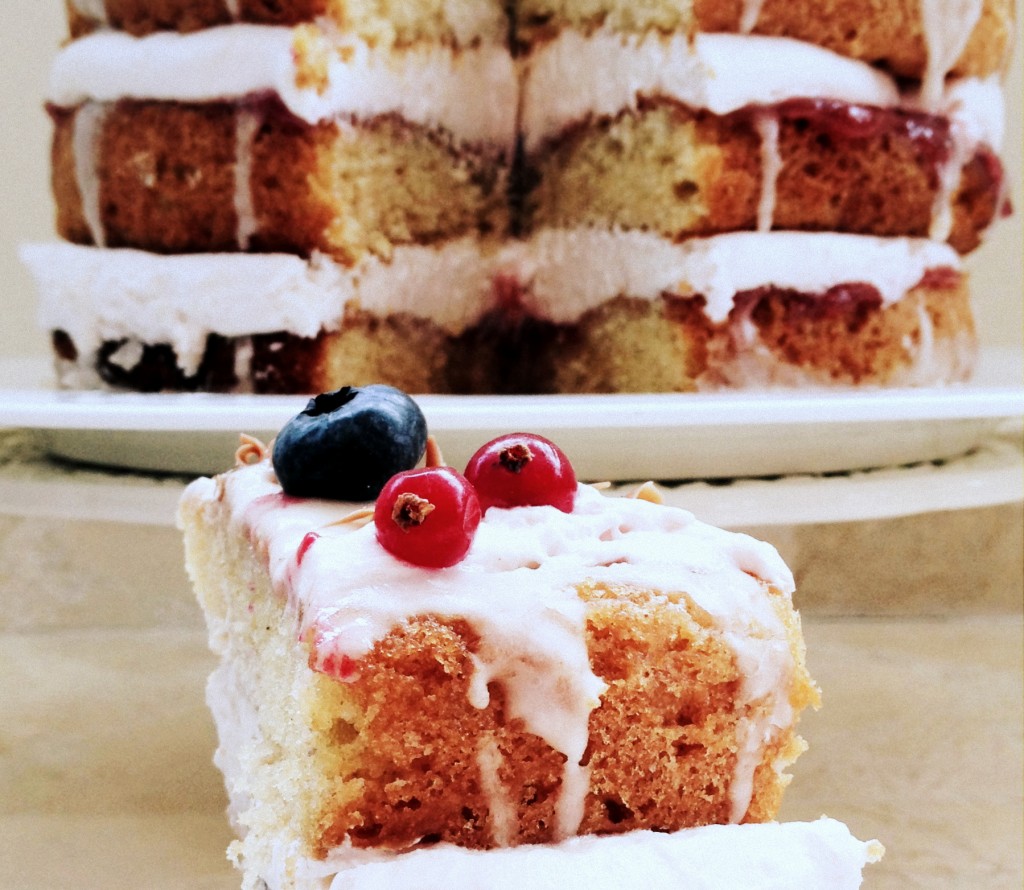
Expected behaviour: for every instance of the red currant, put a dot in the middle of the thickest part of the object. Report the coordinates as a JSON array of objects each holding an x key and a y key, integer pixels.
[
  {"x": 427, "y": 517},
  {"x": 520, "y": 470}
]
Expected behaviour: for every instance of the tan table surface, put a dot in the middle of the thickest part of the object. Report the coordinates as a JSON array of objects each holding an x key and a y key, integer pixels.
[{"x": 106, "y": 782}]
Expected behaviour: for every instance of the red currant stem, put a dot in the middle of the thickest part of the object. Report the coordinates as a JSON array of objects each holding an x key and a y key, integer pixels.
[
  {"x": 410, "y": 510},
  {"x": 515, "y": 457},
  {"x": 433, "y": 456}
]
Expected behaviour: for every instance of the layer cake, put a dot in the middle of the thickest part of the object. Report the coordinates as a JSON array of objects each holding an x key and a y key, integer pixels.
[{"x": 354, "y": 152}]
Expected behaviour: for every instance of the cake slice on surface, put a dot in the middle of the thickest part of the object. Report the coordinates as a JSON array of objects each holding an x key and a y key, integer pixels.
[{"x": 578, "y": 665}]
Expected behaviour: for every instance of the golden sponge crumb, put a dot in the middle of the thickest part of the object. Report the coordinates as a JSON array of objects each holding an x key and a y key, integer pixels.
[
  {"x": 401, "y": 23},
  {"x": 670, "y": 169},
  {"x": 624, "y": 345},
  {"x": 885, "y": 33},
  {"x": 167, "y": 182},
  {"x": 390, "y": 183},
  {"x": 539, "y": 19},
  {"x": 379, "y": 22}
]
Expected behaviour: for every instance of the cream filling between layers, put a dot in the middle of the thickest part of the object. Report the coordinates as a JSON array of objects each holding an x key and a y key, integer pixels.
[
  {"x": 722, "y": 73},
  {"x": 97, "y": 295},
  {"x": 567, "y": 272},
  {"x": 517, "y": 589},
  {"x": 317, "y": 81},
  {"x": 610, "y": 72}
]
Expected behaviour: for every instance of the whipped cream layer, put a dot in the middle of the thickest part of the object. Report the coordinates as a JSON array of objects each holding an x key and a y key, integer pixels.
[
  {"x": 566, "y": 272},
  {"x": 947, "y": 27},
  {"x": 97, "y": 295},
  {"x": 318, "y": 78},
  {"x": 517, "y": 589},
  {"x": 611, "y": 72},
  {"x": 794, "y": 855}
]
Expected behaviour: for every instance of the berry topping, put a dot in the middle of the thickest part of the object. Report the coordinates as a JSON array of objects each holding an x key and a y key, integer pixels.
[
  {"x": 341, "y": 667},
  {"x": 308, "y": 541},
  {"x": 522, "y": 470},
  {"x": 346, "y": 444},
  {"x": 427, "y": 517}
]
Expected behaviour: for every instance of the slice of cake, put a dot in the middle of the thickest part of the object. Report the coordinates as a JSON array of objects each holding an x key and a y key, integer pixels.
[
  {"x": 300, "y": 195},
  {"x": 630, "y": 311},
  {"x": 576, "y": 310},
  {"x": 724, "y": 203},
  {"x": 578, "y": 665},
  {"x": 693, "y": 136},
  {"x": 264, "y": 138},
  {"x": 264, "y": 323}
]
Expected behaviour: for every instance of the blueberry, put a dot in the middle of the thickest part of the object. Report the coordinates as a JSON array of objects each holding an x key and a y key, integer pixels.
[{"x": 348, "y": 443}]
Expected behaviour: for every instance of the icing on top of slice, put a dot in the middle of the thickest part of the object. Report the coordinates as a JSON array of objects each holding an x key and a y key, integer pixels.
[{"x": 517, "y": 587}]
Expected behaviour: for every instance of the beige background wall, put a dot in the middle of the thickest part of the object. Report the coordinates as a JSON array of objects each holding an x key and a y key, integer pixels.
[{"x": 34, "y": 28}]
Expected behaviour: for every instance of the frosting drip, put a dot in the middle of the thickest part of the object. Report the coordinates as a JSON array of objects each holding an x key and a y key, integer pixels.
[
  {"x": 750, "y": 15},
  {"x": 247, "y": 125},
  {"x": 974, "y": 109},
  {"x": 771, "y": 166},
  {"x": 947, "y": 28},
  {"x": 92, "y": 9},
  {"x": 88, "y": 131},
  {"x": 502, "y": 812},
  {"x": 517, "y": 589}
]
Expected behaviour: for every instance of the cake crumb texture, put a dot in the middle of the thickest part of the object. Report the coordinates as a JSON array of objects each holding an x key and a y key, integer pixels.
[
  {"x": 168, "y": 181},
  {"x": 401, "y": 754},
  {"x": 683, "y": 172},
  {"x": 886, "y": 33},
  {"x": 381, "y": 22}
]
